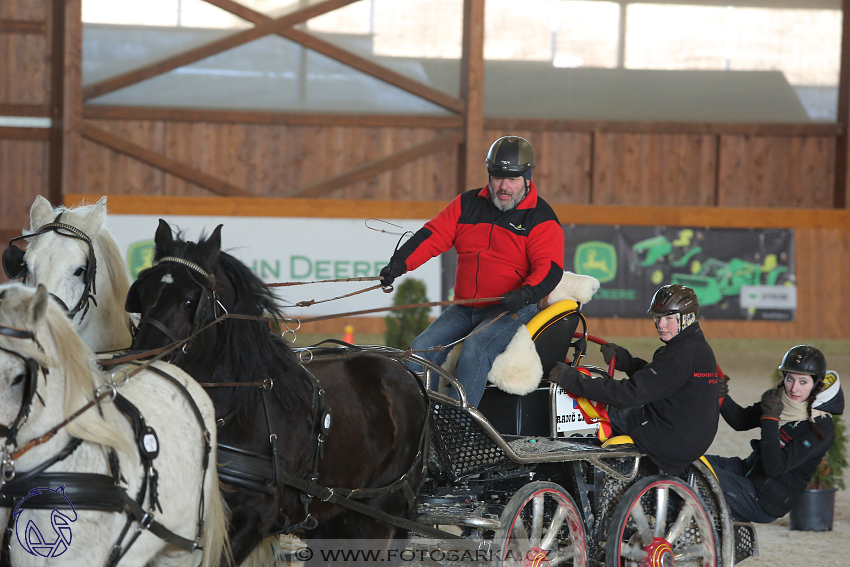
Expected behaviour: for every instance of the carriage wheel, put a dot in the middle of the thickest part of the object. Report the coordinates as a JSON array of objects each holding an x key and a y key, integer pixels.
[
  {"x": 541, "y": 525},
  {"x": 660, "y": 522}
]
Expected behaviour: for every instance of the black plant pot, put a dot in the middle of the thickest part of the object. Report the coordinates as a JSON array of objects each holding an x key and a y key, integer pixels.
[{"x": 814, "y": 510}]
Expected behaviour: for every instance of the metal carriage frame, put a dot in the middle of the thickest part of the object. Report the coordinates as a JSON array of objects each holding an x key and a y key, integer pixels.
[{"x": 480, "y": 483}]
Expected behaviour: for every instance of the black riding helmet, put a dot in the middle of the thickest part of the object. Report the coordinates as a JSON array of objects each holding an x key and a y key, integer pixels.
[
  {"x": 805, "y": 359},
  {"x": 511, "y": 156}
]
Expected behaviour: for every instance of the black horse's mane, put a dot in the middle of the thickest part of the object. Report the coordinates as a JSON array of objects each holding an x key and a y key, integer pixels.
[{"x": 249, "y": 350}]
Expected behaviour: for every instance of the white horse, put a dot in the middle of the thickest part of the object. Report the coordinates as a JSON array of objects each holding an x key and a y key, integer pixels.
[
  {"x": 45, "y": 367},
  {"x": 59, "y": 260}
]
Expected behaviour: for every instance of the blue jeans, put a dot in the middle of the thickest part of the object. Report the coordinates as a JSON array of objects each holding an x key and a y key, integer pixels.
[{"x": 479, "y": 351}]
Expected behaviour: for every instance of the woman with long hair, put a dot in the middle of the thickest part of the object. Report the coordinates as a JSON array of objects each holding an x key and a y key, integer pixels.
[{"x": 796, "y": 431}]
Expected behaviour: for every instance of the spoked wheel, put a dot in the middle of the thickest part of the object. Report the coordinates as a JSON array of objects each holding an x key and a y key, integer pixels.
[
  {"x": 541, "y": 526},
  {"x": 660, "y": 522}
]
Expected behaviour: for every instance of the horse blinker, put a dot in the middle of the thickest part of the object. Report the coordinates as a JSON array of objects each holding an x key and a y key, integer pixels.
[{"x": 13, "y": 262}]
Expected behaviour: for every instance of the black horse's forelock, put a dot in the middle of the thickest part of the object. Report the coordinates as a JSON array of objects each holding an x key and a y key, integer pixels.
[{"x": 250, "y": 351}]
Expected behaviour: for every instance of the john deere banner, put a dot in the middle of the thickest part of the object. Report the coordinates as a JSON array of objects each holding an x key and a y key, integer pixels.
[{"x": 737, "y": 273}]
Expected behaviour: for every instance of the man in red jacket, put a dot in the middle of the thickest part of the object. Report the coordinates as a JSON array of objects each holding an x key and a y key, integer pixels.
[{"x": 510, "y": 246}]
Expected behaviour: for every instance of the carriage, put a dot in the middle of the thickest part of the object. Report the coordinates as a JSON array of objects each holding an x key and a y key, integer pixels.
[
  {"x": 518, "y": 487},
  {"x": 504, "y": 480}
]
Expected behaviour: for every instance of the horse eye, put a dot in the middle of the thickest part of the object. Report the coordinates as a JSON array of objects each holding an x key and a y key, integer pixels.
[
  {"x": 80, "y": 271},
  {"x": 189, "y": 303},
  {"x": 18, "y": 379}
]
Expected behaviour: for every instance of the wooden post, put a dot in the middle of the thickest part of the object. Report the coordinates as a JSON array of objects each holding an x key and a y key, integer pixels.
[
  {"x": 842, "y": 147},
  {"x": 66, "y": 99},
  {"x": 472, "y": 152}
]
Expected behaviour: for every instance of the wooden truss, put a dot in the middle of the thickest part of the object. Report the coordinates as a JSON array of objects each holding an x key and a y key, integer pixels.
[{"x": 465, "y": 127}]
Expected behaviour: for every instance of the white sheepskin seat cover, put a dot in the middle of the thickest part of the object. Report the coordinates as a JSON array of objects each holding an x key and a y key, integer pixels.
[{"x": 518, "y": 369}]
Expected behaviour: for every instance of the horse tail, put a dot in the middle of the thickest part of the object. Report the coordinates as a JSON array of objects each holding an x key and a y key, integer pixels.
[{"x": 214, "y": 539}]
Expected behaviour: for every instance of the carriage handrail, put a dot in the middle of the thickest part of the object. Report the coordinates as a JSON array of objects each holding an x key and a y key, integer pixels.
[{"x": 591, "y": 455}]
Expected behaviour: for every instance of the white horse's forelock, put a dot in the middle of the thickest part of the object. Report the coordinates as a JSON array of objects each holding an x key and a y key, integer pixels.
[{"x": 62, "y": 345}]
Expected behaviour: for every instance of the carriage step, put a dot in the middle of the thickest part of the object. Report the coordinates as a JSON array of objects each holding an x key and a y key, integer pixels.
[
  {"x": 476, "y": 522},
  {"x": 746, "y": 544}
]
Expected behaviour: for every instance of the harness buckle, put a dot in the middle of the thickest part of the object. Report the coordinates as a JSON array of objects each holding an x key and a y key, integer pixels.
[
  {"x": 328, "y": 495},
  {"x": 146, "y": 520},
  {"x": 7, "y": 467},
  {"x": 268, "y": 384}
]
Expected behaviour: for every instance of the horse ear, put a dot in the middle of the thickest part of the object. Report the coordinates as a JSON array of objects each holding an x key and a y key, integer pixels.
[
  {"x": 94, "y": 220},
  {"x": 41, "y": 213},
  {"x": 38, "y": 305},
  {"x": 163, "y": 234},
  {"x": 212, "y": 246}
]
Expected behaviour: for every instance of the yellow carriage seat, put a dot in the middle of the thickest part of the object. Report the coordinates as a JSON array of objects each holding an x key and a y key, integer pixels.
[{"x": 515, "y": 401}]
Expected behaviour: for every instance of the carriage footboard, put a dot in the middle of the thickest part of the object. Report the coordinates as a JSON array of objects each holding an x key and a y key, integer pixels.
[{"x": 746, "y": 544}]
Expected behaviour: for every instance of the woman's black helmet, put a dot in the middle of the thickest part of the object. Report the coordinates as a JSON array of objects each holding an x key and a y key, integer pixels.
[
  {"x": 510, "y": 156},
  {"x": 805, "y": 359},
  {"x": 674, "y": 299}
]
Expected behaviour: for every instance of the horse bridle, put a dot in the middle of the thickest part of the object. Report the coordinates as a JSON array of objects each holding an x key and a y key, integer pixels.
[
  {"x": 10, "y": 432},
  {"x": 16, "y": 268},
  {"x": 208, "y": 305}
]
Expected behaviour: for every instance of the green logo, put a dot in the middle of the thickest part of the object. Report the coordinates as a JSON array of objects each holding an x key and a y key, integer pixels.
[
  {"x": 596, "y": 259},
  {"x": 139, "y": 257}
]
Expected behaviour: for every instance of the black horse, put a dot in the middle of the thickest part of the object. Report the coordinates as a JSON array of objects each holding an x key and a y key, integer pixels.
[{"x": 379, "y": 412}]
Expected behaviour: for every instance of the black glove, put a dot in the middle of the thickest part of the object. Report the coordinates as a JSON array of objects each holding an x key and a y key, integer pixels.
[
  {"x": 391, "y": 271},
  {"x": 565, "y": 376},
  {"x": 723, "y": 386},
  {"x": 515, "y": 300},
  {"x": 771, "y": 403},
  {"x": 609, "y": 351}
]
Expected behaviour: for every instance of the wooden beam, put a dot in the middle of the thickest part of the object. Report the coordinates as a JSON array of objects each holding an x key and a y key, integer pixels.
[
  {"x": 105, "y": 112},
  {"x": 97, "y": 111},
  {"x": 713, "y": 217},
  {"x": 13, "y": 133},
  {"x": 378, "y": 166},
  {"x": 40, "y": 110},
  {"x": 22, "y": 26},
  {"x": 202, "y": 52},
  {"x": 66, "y": 35},
  {"x": 166, "y": 164},
  {"x": 472, "y": 150},
  {"x": 57, "y": 101},
  {"x": 345, "y": 57},
  {"x": 842, "y": 147},
  {"x": 802, "y": 129}
]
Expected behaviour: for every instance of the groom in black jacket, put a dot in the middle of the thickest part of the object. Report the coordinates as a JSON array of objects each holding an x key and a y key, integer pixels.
[{"x": 668, "y": 406}]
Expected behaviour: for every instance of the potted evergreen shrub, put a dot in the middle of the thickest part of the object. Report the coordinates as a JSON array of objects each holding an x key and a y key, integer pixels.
[
  {"x": 814, "y": 511},
  {"x": 405, "y": 325}
]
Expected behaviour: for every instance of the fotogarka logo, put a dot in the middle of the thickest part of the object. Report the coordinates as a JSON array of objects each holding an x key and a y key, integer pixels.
[{"x": 30, "y": 534}]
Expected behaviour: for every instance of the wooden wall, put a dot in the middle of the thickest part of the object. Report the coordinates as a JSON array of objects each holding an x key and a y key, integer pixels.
[
  {"x": 605, "y": 165},
  {"x": 25, "y": 27}
]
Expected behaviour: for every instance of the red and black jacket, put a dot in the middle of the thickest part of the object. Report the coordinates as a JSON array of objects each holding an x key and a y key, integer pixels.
[{"x": 496, "y": 252}]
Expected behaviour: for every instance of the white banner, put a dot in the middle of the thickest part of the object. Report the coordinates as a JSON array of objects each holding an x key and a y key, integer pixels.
[{"x": 291, "y": 250}]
